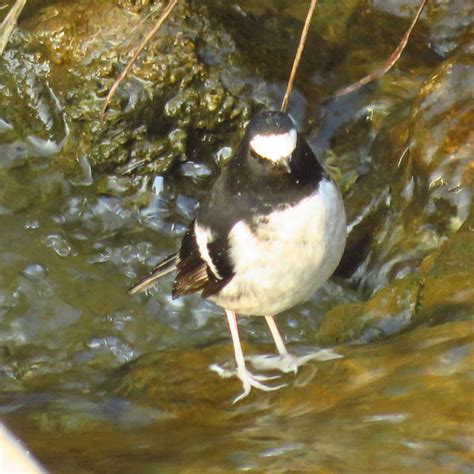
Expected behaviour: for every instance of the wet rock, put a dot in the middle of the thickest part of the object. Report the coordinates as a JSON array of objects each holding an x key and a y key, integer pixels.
[
  {"x": 448, "y": 288},
  {"x": 442, "y": 291},
  {"x": 187, "y": 87},
  {"x": 419, "y": 187},
  {"x": 442, "y": 136},
  {"x": 168, "y": 380},
  {"x": 386, "y": 313},
  {"x": 446, "y": 22}
]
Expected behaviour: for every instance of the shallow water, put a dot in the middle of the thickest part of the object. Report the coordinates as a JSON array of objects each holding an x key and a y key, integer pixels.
[{"x": 95, "y": 380}]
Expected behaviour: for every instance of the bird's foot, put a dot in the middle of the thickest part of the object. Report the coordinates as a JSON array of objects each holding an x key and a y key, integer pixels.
[
  {"x": 288, "y": 362},
  {"x": 248, "y": 380}
]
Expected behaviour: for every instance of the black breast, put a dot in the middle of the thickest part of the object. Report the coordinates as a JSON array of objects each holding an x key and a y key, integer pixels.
[{"x": 249, "y": 189}]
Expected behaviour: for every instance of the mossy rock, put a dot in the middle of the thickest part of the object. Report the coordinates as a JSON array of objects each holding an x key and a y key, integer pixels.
[{"x": 184, "y": 95}]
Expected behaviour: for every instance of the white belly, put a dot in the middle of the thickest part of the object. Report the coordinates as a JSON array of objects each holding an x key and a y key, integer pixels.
[{"x": 290, "y": 257}]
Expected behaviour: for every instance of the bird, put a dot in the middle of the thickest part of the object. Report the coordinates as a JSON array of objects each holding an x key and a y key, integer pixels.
[{"x": 269, "y": 233}]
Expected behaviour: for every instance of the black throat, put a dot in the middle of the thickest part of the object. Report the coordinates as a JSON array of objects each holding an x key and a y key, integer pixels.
[
  {"x": 252, "y": 175},
  {"x": 249, "y": 190}
]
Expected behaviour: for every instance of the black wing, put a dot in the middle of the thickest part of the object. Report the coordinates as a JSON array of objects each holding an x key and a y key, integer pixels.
[
  {"x": 194, "y": 274},
  {"x": 163, "y": 268}
]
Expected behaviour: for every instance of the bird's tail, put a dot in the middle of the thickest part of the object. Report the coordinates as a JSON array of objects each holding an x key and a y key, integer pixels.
[{"x": 163, "y": 268}]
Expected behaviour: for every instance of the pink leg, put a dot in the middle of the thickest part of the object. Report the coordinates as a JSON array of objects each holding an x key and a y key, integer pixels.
[
  {"x": 248, "y": 379},
  {"x": 284, "y": 361},
  {"x": 276, "y": 335}
]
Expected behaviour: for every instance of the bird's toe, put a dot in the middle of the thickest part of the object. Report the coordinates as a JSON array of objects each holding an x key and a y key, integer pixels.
[
  {"x": 288, "y": 362},
  {"x": 248, "y": 380}
]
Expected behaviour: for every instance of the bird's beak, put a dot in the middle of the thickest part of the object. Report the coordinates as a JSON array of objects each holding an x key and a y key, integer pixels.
[{"x": 283, "y": 163}]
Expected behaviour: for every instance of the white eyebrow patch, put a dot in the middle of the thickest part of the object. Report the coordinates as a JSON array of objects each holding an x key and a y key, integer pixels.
[{"x": 274, "y": 147}]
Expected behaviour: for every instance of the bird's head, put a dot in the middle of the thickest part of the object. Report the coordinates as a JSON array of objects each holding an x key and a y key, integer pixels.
[{"x": 272, "y": 138}]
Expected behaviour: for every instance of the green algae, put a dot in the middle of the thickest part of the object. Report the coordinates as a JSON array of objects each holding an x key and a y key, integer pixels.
[{"x": 64, "y": 59}]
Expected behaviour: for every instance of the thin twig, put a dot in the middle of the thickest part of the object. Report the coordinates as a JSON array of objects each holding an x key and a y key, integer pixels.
[
  {"x": 388, "y": 64},
  {"x": 9, "y": 23},
  {"x": 140, "y": 48},
  {"x": 299, "y": 53}
]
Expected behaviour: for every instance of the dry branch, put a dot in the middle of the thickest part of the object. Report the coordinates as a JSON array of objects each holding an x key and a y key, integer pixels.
[
  {"x": 9, "y": 23},
  {"x": 140, "y": 48},
  {"x": 299, "y": 53},
  {"x": 388, "y": 64}
]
